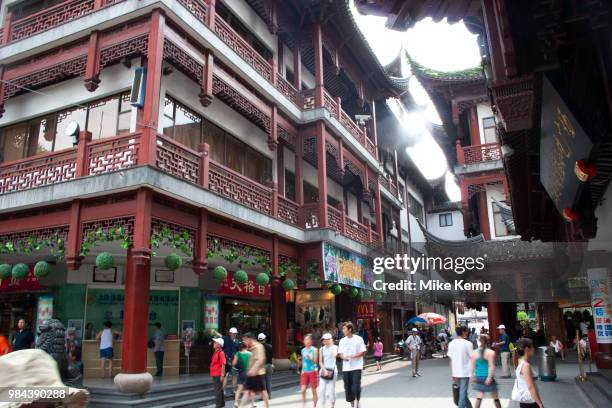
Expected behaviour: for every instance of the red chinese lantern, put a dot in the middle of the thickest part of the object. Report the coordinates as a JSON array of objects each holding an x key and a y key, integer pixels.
[
  {"x": 569, "y": 215},
  {"x": 583, "y": 171}
]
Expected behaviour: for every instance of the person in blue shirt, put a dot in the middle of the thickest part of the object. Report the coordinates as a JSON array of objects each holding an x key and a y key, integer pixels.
[{"x": 504, "y": 350}]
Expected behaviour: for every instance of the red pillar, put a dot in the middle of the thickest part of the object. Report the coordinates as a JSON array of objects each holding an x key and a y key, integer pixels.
[
  {"x": 92, "y": 70},
  {"x": 474, "y": 128},
  {"x": 279, "y": 309},
  {"x": 200, "y": 260},
  {"x": 373, "y": 127},
  {"x": 483, "y": 215},
  {"x": 317, "y": 44},
  {"x": 297, "y": 67},
  {"x": 553, "y": 321},
  {"x": 153, "y": 88},
  {"x": 494, "y": 317},
  {"x": 322, "y": 173},
  {"x": 206, "y": 92},
  {"x": 134, "y": 377},
  {"x": 299, "y": 176},
  {"x": 379, "y": 224}
]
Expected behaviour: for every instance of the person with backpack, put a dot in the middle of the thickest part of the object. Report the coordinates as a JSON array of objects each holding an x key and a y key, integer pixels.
[
  {"x": 329, "y": 371},
  {"x": 482, "y": 364},
  {"x": 217, "y": 371},
  {"x": 525, "y": 392},
  {"x": 241, "y": 365},
  {"x": 378, "y": 353}
]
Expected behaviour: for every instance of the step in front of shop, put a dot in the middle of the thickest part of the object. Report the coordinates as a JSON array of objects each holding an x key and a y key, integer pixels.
[{"x": 597, "y": 389}]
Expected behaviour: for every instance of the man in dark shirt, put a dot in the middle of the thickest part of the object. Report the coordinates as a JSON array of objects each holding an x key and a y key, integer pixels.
[
  {"x": 24, "y": 339},
  {"x": 268, "y": 348}
]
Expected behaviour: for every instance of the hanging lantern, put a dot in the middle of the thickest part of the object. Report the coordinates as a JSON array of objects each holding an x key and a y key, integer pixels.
[
  {"x": 220, "y": 273},
  {"x": 353, "y": 292},
  {"x": 5, "y": 271},
  {"x": 336, "y": 289},
  {"x": 288, "y": 284},
  {"x": 42, "y": 269},
  {"x": 583, "y": 171},
  {"x": 105, "y": 261},
  {"x": 173, "y": 262},
  {"x": 20, "y": 271},
  {"x": 570, "y": 215},
  {"x": 241, "y": 277},
  {"x": 262, "y": 279}
]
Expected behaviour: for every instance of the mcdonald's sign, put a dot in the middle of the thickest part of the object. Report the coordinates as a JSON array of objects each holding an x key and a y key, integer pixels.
[{"x": 365, "y": 310}]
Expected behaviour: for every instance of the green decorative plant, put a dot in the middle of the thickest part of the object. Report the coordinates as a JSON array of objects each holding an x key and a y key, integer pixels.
[
  {"x": 42, "y": 269},
  {"x": 366, "y": 294},
  {"x": 262, "y": 279},
  {"x": 241, "y": 277},
  {"x": 220, "y": 273},
  {"x": 353, "y": 292},
  {"x": 105, "y": 261},
  {"x": 288, "y": 284},
  {"x": 55, "y": 243},
  {"x": 335, "y": 289},
  {"x": 176, "y": 240},
  {"x": 379, "y": 296},
  {"x": 5, "y": 271},
  {"x": 313, "y": 271},
  {"x": 173, "y": 262},
  {"x": 244, "y": 255},
  {"x": 116, "y": 233},
  {"x": 20, "y": 271}
]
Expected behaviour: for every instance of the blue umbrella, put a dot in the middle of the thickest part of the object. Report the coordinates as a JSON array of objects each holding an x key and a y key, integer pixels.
[{"x": 416, "y": 320}]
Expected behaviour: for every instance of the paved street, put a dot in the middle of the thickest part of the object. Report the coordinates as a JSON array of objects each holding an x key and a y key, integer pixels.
[{"x": 395, "y": 387}]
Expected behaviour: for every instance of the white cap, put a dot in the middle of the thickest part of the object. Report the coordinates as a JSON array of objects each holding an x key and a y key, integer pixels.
[
  {"x": 261, "y": 336},
  {"x": 415, "y": 330},
  {"x": 233, "y": 330},
  {"x": 326, "y": 336},
  {"x": 501, "y": 326},
  {"x": 219, "y": 340}
]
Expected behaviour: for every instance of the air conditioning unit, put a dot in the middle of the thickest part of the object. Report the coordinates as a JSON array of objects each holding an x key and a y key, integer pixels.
[{"x": 138, "y": 87}]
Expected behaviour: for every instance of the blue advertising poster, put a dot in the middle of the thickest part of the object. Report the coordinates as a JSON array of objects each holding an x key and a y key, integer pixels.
[{"x": 347, "y": 268}]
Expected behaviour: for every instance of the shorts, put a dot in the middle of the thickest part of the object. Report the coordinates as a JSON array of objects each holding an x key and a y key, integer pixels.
[
  {"x": 255, "y": 383},
  {"x": 310, "y": 379},
  {"x": 106, "y": 353},
  {"x": 230, "y": 371},
  {"x": 480, "y": 385},
  {"x": 242, "y": 377},
  {"x": 378, "y": 359}
]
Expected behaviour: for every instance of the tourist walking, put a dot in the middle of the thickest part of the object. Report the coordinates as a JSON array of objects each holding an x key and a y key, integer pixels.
[
  {"x": 329, "y": 371},
  {"x": 255, "y": 381},
  {"x": 504, "y": 350},
  {"x": 351, "y": 350},
  {"x": 414, "y": 345},
  {"x": 158, "y": 349},
  {"x": 106, "y": 337},
  {"x": 460, "y": 353},
  {"x": 559, "y": 348},
  {"x": 378, "y": 353},
  {"x": 269, "y": 367},
  {"x": 525, "y": 391},
  {"x": 443, "y": 339},
  {"x": 23, "y": 338},
  {"x": 217, "y": 371},
  {"x": 483, "y": 370},
  {"x": 231, "y": 345},
  {"x": 240, "y": 363},
  {"x": 5, "y": 346},
  {"x": 309, "y": 376}
]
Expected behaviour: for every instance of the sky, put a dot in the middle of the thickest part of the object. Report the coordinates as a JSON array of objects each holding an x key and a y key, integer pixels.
[{"x": 440, "y": 46}]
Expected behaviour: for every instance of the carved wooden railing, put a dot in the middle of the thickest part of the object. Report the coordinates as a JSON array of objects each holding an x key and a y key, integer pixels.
[
  {"x": 377, "y": 241},
  {"x": 197, "y": 7},
  {"x": 370, "y": 146},
  {"x": 286, "y": 89},
  {"x": 356, "y": 131},
  {"x": 113, "y": 154},
  {"x": 38, "y": 171},
  {"x": 388, "y": 184},
  {"x": 335, "y": 218},
  {"x": 357, "y": 231},
  {"x": 478, "y": 153},
  {"x": 288, "y": 211},
  {"x": 307, "y": 99},
  {"x": 310, "y": 215},
  {"x": 235, "y": 186},
  {"x": 242, "y": 48},
  {"x": 176, "y": 159},
  {"x": 331, "y": 105},
  {"x": 52, "y": 17}
]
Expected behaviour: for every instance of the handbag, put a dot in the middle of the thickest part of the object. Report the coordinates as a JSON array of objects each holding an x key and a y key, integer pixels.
[
  {"x": 520, "y": 394},
  {"x": 150, "y": 344},
  {"x": 329, "y": 376}
]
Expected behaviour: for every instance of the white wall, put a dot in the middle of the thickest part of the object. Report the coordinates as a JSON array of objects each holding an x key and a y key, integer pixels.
[
  {"x": 454, "y": 232},
  {"x": 483, "y": 111},
  {"x": 496, "y": 191},
  {"x": 65, "y": 94}
]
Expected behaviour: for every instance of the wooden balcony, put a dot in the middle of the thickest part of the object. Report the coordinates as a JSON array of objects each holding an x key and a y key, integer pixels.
[{"x": 478, "y": 153}]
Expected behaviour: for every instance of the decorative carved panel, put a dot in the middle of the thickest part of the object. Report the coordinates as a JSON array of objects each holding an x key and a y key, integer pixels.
[{"x": 38, "y": 171}]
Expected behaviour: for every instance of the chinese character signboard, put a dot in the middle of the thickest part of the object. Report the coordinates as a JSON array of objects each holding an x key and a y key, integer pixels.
[
  {"x": 211, "y": 313},
  {"x": 345, "y": 267},
  {"x": 249, "y": 289},
  {"x": 600, "y": 280},
  {"x": 31, "y": 282},
  {"x": 365, "y": 310},
  {"x": 44, "y": 310},
  {"x": 562, "y": 143}
]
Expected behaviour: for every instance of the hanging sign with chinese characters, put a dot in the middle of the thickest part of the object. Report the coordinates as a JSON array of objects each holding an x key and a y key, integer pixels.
[
  {"x": 563, "y": 142},
  {"x": 600, "y": 280},
  {"x": 250, "y": 289},
  {"x": 211, "y": 313}
]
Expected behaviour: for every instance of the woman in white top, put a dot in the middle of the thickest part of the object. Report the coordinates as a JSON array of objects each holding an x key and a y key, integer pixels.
[
  {"x": 525, "y": 390},
  {"x": 329, "y": 371},
  {"x": 558, "y": 346},
  {"x": 105, "y": 337}
]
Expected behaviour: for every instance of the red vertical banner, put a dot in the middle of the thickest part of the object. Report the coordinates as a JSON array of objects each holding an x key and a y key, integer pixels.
[{"x": 365, "y": 310}]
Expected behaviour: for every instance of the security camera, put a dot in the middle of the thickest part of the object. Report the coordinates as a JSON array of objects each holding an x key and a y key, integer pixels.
[{"x": 362, "y": 119}]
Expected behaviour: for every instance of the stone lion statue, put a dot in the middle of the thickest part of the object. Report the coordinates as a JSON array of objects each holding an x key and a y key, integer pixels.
[{"x": 52, "y": 340}]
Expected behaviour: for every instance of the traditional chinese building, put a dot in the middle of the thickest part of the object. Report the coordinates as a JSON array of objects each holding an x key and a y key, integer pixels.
[
  {"x": 547, "y": 74},
  {"x": 157, "y": 157}
]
